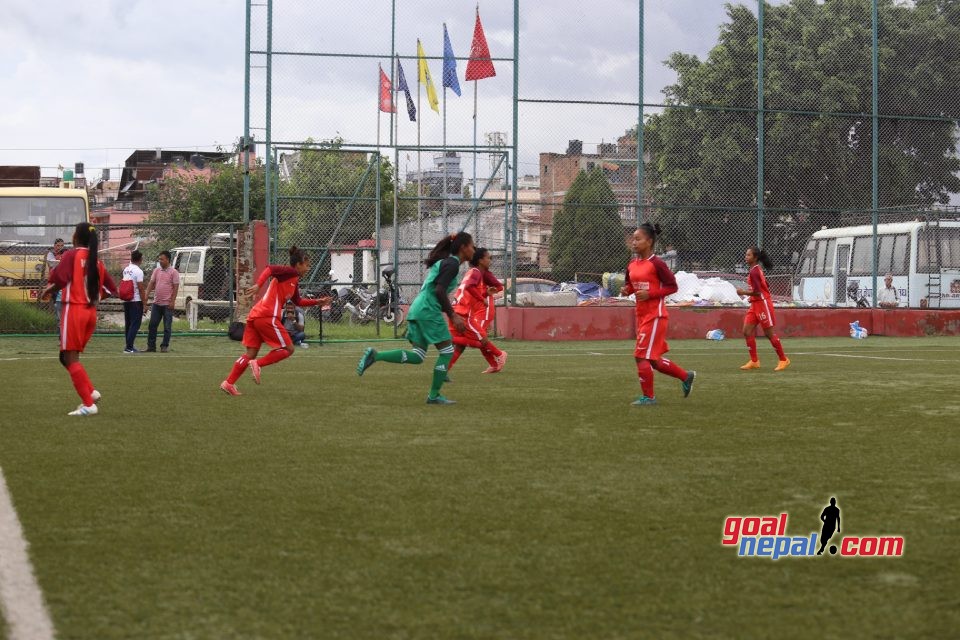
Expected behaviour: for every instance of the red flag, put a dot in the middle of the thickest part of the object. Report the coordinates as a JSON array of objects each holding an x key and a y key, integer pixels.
[
  {"x": 480, "y": 65},
  {"x": 386, "y": 93}
]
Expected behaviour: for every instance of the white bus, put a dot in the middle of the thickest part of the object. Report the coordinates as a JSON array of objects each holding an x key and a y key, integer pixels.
[{"x": 836, "y": 267}]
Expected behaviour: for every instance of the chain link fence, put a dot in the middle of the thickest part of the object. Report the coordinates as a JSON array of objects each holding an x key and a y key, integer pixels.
[
  {"x": 205, "y": 255},
  {"x": 727, "y": 124}
]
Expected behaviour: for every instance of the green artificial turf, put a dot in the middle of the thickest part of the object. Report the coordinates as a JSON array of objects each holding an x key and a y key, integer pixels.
[{"x": 542, "y": 505}]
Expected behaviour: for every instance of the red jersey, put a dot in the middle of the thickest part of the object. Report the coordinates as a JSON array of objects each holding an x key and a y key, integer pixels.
[
  {"x": 471, "y": 296},
  {"x": 653, "y": 275},
  {"x": 758, "y": 283},
  {"x": 70, "y": 275},
  {"x": 283, "y": 287}
]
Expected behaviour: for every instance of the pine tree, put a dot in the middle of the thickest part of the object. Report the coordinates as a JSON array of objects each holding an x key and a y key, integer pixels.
[{"x": 588, "y": 234}]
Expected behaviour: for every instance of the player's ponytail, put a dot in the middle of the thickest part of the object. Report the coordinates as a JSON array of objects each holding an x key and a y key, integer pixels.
[
  {"x": 85, "y": 235},
  {"x": 448, "y": 246},
  {"x": 297, "y": 256},
  {"x": 478, "y": 255},
  {"x": 762, "y": 257}
]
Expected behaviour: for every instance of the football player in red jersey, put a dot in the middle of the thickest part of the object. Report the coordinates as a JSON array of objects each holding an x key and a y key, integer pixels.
[
  {"x": 761, "y": 309},
  {"x": 265, "y": 320},
  {"x": 651, "y": 281},
  {"x": 473, "y": 301},
  {"x": 84, "y": 280}
]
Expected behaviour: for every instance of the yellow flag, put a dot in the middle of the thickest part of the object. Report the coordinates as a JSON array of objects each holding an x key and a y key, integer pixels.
[{"x": 426, "y": 79}]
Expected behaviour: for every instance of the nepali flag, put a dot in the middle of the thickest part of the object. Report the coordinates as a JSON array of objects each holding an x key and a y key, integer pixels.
[
  {"x": 480, "y": 65},
  {"x": 386, "y": 93}
]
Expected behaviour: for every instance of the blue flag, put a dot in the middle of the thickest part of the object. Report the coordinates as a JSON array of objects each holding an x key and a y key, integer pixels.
[
  {"x": 449, "y": 64},
  {"x": 402, "y": 86}
]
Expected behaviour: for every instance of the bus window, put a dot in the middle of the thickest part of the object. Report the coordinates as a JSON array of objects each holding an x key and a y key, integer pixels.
[
  {"x": 825, "y": 253},
  {"x": 808, "y": 258},
  {"x": 862, "y": 256},
  {"x": 950, "y": 248},
  {"x": 893, "y": 255},
  {"x": 929, "y": 240},
  {"x": 900, "y": 265}
]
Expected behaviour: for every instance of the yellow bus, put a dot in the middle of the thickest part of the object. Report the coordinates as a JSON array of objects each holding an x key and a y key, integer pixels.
[{"x": 31, "y": 219}]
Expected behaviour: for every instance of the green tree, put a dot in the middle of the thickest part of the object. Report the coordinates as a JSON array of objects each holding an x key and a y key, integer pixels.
[
  {"x": 330, "y": 198},
  {"x": 817, "y": 59},
  {"x": 588, "y": 234},
  {"x": 191, "y": 197}
]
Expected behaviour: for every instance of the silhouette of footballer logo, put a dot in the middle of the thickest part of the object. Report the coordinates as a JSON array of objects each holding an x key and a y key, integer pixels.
[{"x": 831, "y": 522}]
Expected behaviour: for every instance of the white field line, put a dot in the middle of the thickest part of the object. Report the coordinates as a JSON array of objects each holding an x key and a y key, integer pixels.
[
  {"x": 547, "y": 352},
  {"x": 20, "y": 598},
  {"x": 849, "y": 355}
]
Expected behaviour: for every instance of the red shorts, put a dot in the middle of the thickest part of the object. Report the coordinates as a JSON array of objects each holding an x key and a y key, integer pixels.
[
  {"x": 476, "y": 328},
  {"x": 77, "y": 323},
  {"x": 269, "y": 330},
  {"x": 651, "y": 338},
  {"x": 760, "y": 313}
]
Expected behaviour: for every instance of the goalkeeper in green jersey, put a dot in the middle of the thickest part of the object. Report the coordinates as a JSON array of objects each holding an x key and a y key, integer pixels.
[{"x": 426, "y": 322}]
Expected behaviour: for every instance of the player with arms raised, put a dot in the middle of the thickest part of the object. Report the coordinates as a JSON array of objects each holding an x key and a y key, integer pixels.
[{"x": 650, "y": 280}]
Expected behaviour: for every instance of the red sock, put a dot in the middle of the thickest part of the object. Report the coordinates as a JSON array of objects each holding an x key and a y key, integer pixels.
[
  {"x": 775, "y": 341},
  {"x": 273, "y": 357},
  {"x": 81, "y": 382},
  {"x": 752, "y": 346},
  {"x": 488, "y": 355},
  {"x": 238, "y": 368},
  {"x": 645, "y": 373},
  {"x": 457, "y": 352},
  {"x": 492, "y": 348},
  {"x": 668, "y": 367}
]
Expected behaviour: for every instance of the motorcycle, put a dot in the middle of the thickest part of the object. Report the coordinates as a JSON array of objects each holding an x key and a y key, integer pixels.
[
  {"x": 857, "y": 295},
  {"x": 365, "y": 306}
]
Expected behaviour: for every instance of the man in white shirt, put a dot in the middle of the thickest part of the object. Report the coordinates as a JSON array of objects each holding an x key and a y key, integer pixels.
[
  {"x": 133, "y": 309},
  {"x": 887, "y": 297}
]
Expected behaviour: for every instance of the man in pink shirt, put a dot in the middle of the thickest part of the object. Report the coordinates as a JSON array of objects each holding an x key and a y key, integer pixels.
[{"x": 164, "y": 283}]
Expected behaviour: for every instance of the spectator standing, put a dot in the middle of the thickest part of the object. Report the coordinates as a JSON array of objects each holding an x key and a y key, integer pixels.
[
  {"x": 293, "y": 322},
  {"x": 133, "y": 309},
  {"x": 888, "y": 298},
  {"x": 164, "y": 284}
]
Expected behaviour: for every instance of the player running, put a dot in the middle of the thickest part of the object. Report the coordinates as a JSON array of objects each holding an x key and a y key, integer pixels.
[
  {"x": 474, "y": 303},
  {"x": 425, "y": 320},
  {"x": 761, "y": 309},
  {"x": 265, "y": 320},
  {"x": 83, "y": 279},
  {"x": 650, "y": 280}
]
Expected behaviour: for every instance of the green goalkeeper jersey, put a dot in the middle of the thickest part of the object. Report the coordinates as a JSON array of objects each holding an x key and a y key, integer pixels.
[{"x": 426, "y": 305}]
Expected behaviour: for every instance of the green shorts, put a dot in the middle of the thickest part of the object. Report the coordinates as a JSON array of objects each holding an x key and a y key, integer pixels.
[{"x": 426, "y": 331}]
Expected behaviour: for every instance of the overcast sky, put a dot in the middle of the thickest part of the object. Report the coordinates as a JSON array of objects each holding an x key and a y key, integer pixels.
[{"x": 92, "y": 81}]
